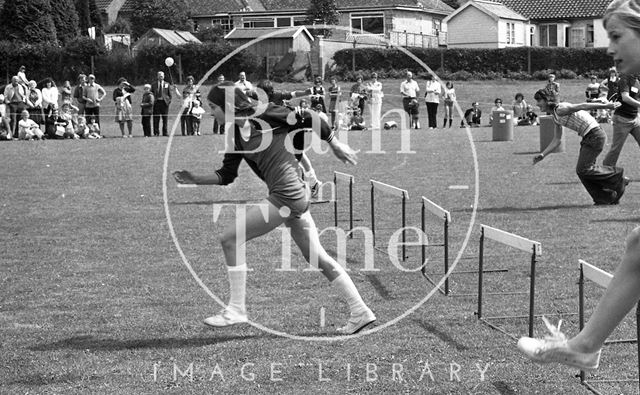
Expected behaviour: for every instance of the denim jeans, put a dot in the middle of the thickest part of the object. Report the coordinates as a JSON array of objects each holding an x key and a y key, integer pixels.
[
  {"x": 599, "y": 181},
  {"x": 622, "y": 127}
]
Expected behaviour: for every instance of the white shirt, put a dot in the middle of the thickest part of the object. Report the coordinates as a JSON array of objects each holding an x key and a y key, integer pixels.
[
  {"x": 50, "y": 96},
  {"x": 409, "y": 88},
  {"x": 245, "y": 85},
  {"x": 376, "y": 92},
  {"x": 433, "y": 89}
]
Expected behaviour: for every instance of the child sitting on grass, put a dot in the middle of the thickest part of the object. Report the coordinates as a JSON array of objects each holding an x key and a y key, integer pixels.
[
  {"x": 28, "y": 129},
  {"x": 356, "y": 122}
]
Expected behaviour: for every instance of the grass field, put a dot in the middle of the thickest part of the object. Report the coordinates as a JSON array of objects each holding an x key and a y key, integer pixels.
[{"x": 95, "y": 297}]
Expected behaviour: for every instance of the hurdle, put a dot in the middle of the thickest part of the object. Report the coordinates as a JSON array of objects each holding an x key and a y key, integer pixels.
[
  {"x": 404, "y": 195},
  {"x": 602, "y": 279},
  {"x": 350, "y": 179},
  {"x": 520, "y": 243},
  {"x": 431, "y": 207}
]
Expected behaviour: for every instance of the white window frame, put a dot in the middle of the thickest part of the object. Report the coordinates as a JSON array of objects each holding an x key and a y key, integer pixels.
[
  {"x": 364, "y": 16},
  {"x": 511, "y": 33},
  {"x": 250, "y": 22},
  {"x": 225, "y": 22}
]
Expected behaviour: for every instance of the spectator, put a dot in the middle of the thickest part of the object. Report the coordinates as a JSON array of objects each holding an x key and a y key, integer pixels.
[
  {"x": 359, "y": 94},
  {"x": 317, "y": 93},
  {"x": 82, "y": 129},
  {"x": 321, "y": 113},
  {"x": 625, "y": 118},
  {"x": 162, "y": 93},
  {"x": 68, "y": 122},
  {"x": 50, "y": 95},
  {"x": 334, "y": 97},
  {"x": 28, "y": 129},
  {"x": 15, "y": 95},
  {"x": 610, "y": 85},
  {"x": 78, "y": 93},
  {"x": 552, "y": 88},
  {"x": 472, "y": 116},
  {"x": 530, "y": 116},
  {"x": 217, "y": 128},
  {"x": 243, "y": 84},
  {"x": 375, "y": 91},
  {"x": 196, "y": 112},
  {"x": 146, "y": 109},
  {"x": 5, "y": 128},
  {"x": 357, "y": 121},
  {"x": 409, "y": 91},
  {"x": 593, "y": 89},
  {"x": 124, "y": 111},
  {"x": 432, "y": 99},
  {"x": 497, "y": 106},
  {"x": 34, "y": 103},
  {"x": 519, "y": 107},
  {"x": 22, "y": 76},
  {"x": 3, "y": 107},
  {"x": 449, "y": 100},
  {"x": 66, "y": 94},
  {"x": 189, "y": 94},
  {"x": 92, "y": 93},
  {"x": 94, "y": 129}
]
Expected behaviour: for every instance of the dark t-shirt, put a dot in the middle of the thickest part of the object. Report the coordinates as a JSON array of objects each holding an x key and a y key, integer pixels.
[{"x": 628, "y": 83}]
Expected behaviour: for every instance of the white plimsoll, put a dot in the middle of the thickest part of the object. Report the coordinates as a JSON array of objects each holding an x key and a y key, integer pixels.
[
  {"x": 226, "y": 317},
  {"x": 555, "y": 348},
  {"x": 357, "y": 322}
]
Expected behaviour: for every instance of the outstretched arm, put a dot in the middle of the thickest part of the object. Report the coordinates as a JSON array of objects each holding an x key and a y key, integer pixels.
[
  {"x": 566, "y": 109},
  {"x": 223, "y": 176}
]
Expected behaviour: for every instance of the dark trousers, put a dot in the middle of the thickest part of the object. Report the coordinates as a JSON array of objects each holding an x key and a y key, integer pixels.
[
  {"x": 217, "y": 128},
  {"x": 15, "y": 111},
  {"x": 195, "y": 124},
  {"x": 432, "y": 112},
  {"x": 361, "y": 106},
  {"x": 92, "y": 113},
  {"x": 186, "y": 123},
  {"x": 146, "y": 125},
  {"x": 160, "y": 110},
  {"x": 599, "y": 181}
]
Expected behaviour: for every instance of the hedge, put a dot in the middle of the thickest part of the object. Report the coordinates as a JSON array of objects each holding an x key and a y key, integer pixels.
[
  {"x": 65, "y": 63},
  {"x": 507, "y": 62}
]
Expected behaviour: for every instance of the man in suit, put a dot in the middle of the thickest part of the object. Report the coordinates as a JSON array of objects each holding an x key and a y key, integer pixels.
[
  {"x": 162, "y": 93},
  {"x": 15, "y": 96}
]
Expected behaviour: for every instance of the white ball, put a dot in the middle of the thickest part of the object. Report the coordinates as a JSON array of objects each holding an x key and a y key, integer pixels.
[{"x": 169, "y": 61}]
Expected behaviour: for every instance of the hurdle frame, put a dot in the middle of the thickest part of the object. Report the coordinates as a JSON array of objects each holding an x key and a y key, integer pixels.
[
  {"x": 602, "y": 279},
  {"x": 394, "y": 191},
  {"x": 338, "y": 175},
  {"x": 436, "y": 210},
  {"x": 520, "y": 243}
]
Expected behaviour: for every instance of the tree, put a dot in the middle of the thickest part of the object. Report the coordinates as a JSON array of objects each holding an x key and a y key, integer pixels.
[
  {"x": 65, "y": 19},
  {"x": 212, "y": 33},
  {"x": 164, "y": 14},
  {"x": 88, "y": 16},
  {"x": 28, "y": 21},
  {"x": 323, "y": 12},
  {"x": 119, "y": 26}
]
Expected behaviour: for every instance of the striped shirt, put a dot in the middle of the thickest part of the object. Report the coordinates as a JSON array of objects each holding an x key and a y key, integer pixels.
[{"x": 580, "y": 121}]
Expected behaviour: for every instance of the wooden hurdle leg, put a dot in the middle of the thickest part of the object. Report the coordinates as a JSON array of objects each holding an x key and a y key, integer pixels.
[
  {"x": 532, "y": 291},
  {"x": 446, "y": 255},
  {"x": 480, "y": 270},
  {"x": 373, "y": 216},
  {"x": 335, "y": 200}
]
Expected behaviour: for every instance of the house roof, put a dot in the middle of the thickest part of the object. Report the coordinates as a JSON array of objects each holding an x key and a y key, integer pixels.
[
  {"x": 174, "y": 37},
  {"x": 251, "y": 33},
  {"x": 492, "y": 8},
  {"x": 103, "y": 4},
  {"x": 557, "y": 9}
]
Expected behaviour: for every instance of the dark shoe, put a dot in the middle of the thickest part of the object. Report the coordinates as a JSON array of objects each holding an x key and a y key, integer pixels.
[{"x": 623, "y": 187}]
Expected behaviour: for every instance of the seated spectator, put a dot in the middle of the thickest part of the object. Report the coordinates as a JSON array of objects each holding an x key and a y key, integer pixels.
[
  {"x": 519, "y": 107},
  {"x": 82, "y": 129},
  {"x": 94, "y": 128},
  {"x": 472, "y": 116},
  {"x": 34, "y": 103},
  {"x": 3, "y": 106},
  {"x": 5, "y": 128},
  {"x": 28, "y": 129},
  {"x": 531, "y": 118},
  {"x": 496, "y": 107},
  {"x": 357, "y": 121},
  {"x": 68, "y": 116},
  {"x": 196, "y": 113}
]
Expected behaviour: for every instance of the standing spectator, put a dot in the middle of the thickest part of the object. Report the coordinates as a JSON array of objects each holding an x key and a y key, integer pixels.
[
  {"x": 66, "y": 94},
  {"x": 409, "y": 90},
  {"x": 497, "y": 106},
  {"x": 162, "y": 93},
  {"x": 472, "y": 116},
  {"x": 34, "y": 103},
  {"x": 359, "y": 94},
  {"x": 552, "y": 88},
  {"x": 610, "y": 85},
  {"x": 449, "y": 100},
  {"x": 625, "y": 118},
  {"x": 78, "y": 93},
  {"x": 22, "y": 76},
  {"x": 375, "y": 90},
  {"x": 92, "y": 94},
  {"x": 196, "y": 112},
  {"x": 146, "y": 109},
  {"x": 243, "y": 84},
  {"x": 317, "y": 93},
  {"x": 593, "y": 89},
  {"x": 217, "y": 128},
  {"x": 15, "y": 95},
  {"x": 519, "y": 107},
  {"x": 432, "y": 99},
  {"x": 334, "y": 97},
  {"x": 124, "y": 111},
  {"x": 3, "y": 106},
  {"x": 189, "y": 94},
  {"x": 28, "y": 129},
  {"x": 50, "y": 95}
]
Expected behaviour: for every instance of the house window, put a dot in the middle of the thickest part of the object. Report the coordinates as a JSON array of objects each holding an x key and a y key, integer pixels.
[
  {"x": 367, "y": 24},
  {"x": 225, "y": 23},
  {"x": 511, "y": 33},
  {"x": 437, "y": 27},
  {"x": 283, "y": 22},
  {"x": 258, "y": 22},
  {"x": 590, "y": 36},
  {"x": 299, "y": 21},
  {"x": 549, "y": 35}
]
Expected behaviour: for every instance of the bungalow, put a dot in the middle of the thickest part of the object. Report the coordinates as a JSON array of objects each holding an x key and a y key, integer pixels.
[
  {"x": 109, "y": 10},
  {"x": 157, "y": 36},
  {"x": 576, "y": 23},
  {"x": 486, "y": 24}
]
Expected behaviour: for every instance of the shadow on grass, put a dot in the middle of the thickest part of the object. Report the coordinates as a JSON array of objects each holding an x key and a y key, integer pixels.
[
  {"x": 379, "y": 287},
  {"x": 442, "y": 335},
  {"x": 511, "y": 209},
  {"x": 212, "y": 202},
  {"x": 503, "y": 388},
  {"x": 40, "y": 379},
  {"x": 526, "y": 153},
  {"x": 96, "y": 344},
  {"x": 563, "y": 183},
  {"x": 620, "y": 220}
]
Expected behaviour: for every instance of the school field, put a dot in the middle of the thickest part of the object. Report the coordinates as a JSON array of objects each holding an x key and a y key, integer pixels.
[{"x": 96, "y": 295}]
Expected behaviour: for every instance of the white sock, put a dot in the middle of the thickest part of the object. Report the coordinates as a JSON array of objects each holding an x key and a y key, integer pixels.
[
  {"x": 349, "y": 291},
  {"x": 237, "y": 287},
  {"x": 310, "y": 176}
]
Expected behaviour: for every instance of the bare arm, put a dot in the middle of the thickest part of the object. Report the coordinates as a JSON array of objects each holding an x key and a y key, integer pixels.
[
  {"x": 629, "y": 100},
  {"x": 566, "y": 108},
  {"x": 557, "y": 139}
]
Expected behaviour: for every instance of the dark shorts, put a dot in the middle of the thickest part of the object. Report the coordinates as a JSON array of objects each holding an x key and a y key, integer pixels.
[{"x": 296, "y": 206}]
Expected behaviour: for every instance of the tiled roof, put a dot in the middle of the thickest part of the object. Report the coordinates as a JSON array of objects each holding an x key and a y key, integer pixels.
[
  {"x": 103, "y": 4},
  {"x": 498, "y": 9},
  {"x": 558, "y": 9},
  {"x": 175, "y": 37}
]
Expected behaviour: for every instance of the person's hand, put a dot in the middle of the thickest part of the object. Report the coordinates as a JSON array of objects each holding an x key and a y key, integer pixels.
[
  {"x": 184, "y": 177},
  {"x": 538, "y": 158},
  {"x": 614, "y": 105},
  {"x": 343, "y": 152}
]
